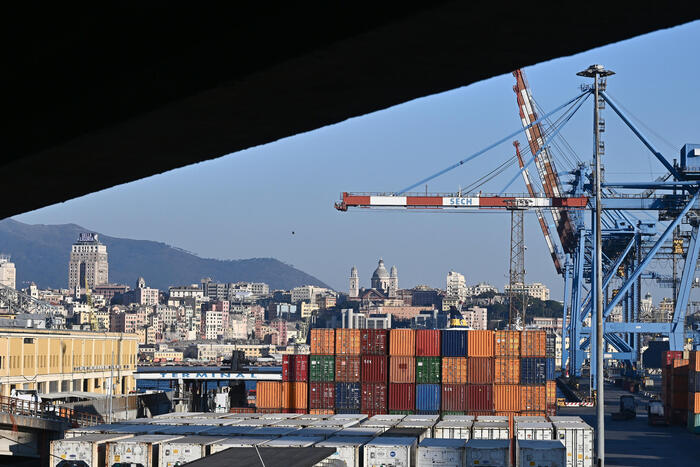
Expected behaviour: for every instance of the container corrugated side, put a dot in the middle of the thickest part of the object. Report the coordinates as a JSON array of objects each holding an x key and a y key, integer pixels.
[
  {"x": 533, "y": 398},
  {"x": 402, "y": 369},
  {"x": 295, "y": 395},
  {"x": 506, "y": 370},
  {"x": 534, "y": 431},
  {"x": 694, "y": 361},
  {"x": 390, "y": 451},
  {"x": 578, "y": 440},
  {"x": 533, "y": 370},
  {"x": 549, "y": 453},
  {"x": 550, "y": 392},
  {"x": 454, "y": 370},
  {"x": 321, "y": 395},
  {"x": 374, "y": 398},
  {"x": 428, "y": 343},
  {"x": 693, "y": 424},
  {"x": 479, "y": 398},
  {"x": 454, "y": 343},
  {"x": 322, "y": 341},
  {"x": 402, "y": 342},
  {"x": 486, "y": 452},
  {"x": 428, "y": 398},
  {"x": 374, "y": 342},
  {"x": 533, "y": 344},
  {"x": 347, "y": 368},
  {"x": 694, "y": 402},
  {"x": 268, "y": 394},
  {"x": 428, "y": 370},
  {"x": 348, "y": 450},
  {"x": 402, "y": 396},
  {"x": 441, "y": 452},
  {"x": 506, "y": 344},
  {"x": 480, "y": 370},
  {"x": 321, "y": 368},
  {"x": 454, "y": 398},
  {"x": 490, "y": 430},
  {"x": 480, "y": 344},
  {"x": 506, "y": 397},
  {"x": 347, "y": 341},
  {"x": 374, "y": 368},
  {"x": 348, "y": 396},
  {"x": 453, "y": 429},
  {"x": 550, "y": 345},
  {"x": 295, "y": 367}
]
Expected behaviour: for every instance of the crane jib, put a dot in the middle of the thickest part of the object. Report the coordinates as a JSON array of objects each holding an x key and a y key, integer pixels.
[{"x": 464, "y": 202}]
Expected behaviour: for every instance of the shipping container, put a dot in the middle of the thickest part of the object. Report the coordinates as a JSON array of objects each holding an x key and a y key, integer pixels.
[
  {"x": 480, "y": 370},
  {"x": 506, "y": 344},
  {"x": 402, "y": 396},
  {"x": 427, "y": 398},
  {"x": 566, "y": 419},
  {"x": 139, "y": 450},
  {"x": 416, "y": 430},
  {"x": 458, "y": 418},
  {"x": 295, "y": 367},
  {"x": 694, "y": 360},
  {"x": 322, "y": 341},
  {"x": 324, "y": 411},
  {"x": 479, "y": 398},
  {"x": 348, "y": 396},
  {"x": 321, "y": 368},
  {"x": 454, "y": 342},
  {"x": 693, "y": 423},
  {"x": 578, "y": 440},
  {"x": 347, "y": 369},
  {"x": 533, "y": 370},
  {"x": 533, "y": 344},
  {"x": 480, "y": 344},
  {"x": 506, "y": 398},
  {"x": 88, "y": 449},
  {"x": 268, "y": 395},
  {"x": 292, "y": 441},
  {"x": 534, "y": 430},
  {"x": 295, "y": 395},
  {"x": 427, "y": 343},
  {"x": 550, "y": 397},
  {"x": 402, "y": 342},
  {"x": 184, "y": 450},
  {"x": 428, "y": 370},
  {"x": 669, "y": 356},
  {"x": 488, "y": 452},
  {"x": 361, "y": 431},
  {"x": 347, "y": 341},
  {"x": 440, "y": 452},
  {"x": 348, "y": 450},
  {"x": 694, "y": 402},
  {"x": 453, "y": 429},
  {"x": 322, "y": 396},
  {"x": 402, "y": 369},
  {"x": 533, "y": 398},
  {"x": 373, "y": 341},
  {"x": 374, "y": 368},
  {"x": 529, "y": 418},
  {"x": 390, "y": 451},
  {"x": 506, "y": 370},
  {"x": 694, "y": 382},
  {"x": 550, "y": 345},
  {"x": 550, "y": 369},
  {"x": 454, "y": 398},
  {"x": 374, "y": 398},
  {"x": 490, "y": 430},
  {"x": 454, "y": 370},
  {"x": 317, "y": 432},
  {"x": 540, "y": 453}
]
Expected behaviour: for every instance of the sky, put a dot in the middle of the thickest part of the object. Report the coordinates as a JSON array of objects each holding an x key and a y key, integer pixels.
[{"x": 249, "y": 203}]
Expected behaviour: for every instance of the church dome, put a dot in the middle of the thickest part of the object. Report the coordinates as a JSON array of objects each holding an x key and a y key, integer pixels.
[{"x": 380, "y": 272}]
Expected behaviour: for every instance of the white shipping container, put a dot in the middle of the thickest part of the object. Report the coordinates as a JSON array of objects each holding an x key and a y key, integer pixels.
[
  {"x": 422, "y": 418},
  {"x": 348, "y": 450},
  {"x": 237, "y": 442},
  {"x": 425, "y": 424},
  {"x": 492, "y": 418},
  {"x": 139, "y": 450},
  {"x": 361, "y": 431},
  {"x": 487, "y": 453},
  {"x": 358, "y": 417},
  {"x": 539, "y": 453},
  {"x": 398, "y": 452},
  {"x": 529, "y": 418},
  {"x": 396, "y": 418},
  {"x": 578, "y": 440},
  {"x": 184, "y": 450},
  {"x": 317, "y": 431},
  {"x": 458, "y": 418},
  {"x": 90, "y": 449},
  {"x": 566, "y": 418},
  {"x": 534, "y": 430},
  {"x": 441, "y": 452},
  {"x": 453, "y": 429},
  {"x": 292, "y": 442},
  {"x": 490, "y": 430}
]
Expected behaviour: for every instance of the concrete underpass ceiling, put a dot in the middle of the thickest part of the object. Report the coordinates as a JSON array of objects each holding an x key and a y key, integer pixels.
[{"x": 100, "y": 97}]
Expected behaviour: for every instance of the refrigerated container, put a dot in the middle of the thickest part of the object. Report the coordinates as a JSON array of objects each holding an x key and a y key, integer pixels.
[
  {"x": 539, "y": 453},
  {"x": 390, "y": 452},
  {"x": 347, "y": 341},
  {"x": 428, "y": 398},
  {"x": 340, "y": 423},
  {"x": 348, "y": 450},
  {"x": 490, "y": 430},
  {"x": 428, "y": 370},
  {"x": 374, "y": 368},
  {"x": 88, "y": 450},
  {"x": 529, "y": 418},
  {"x": 347, "y": 369},
  {"x": 142, "y": 450},
  {"x": 454, "y": 429},
  {"x": 317, "y": 432},
  {"x": 237, "y": 442},
  {"x": 402, "y": 342},
  {"x": 480, "y": 370},
  {"x": 345, "y": 417},
  {"x": 402, "y": 369},
  {"x": 427, "y": 343},
  {"x": 488, "y": 452},
  {"x": 565, "y": 418},
  {"x": 492, "y": 418},
  {"x": 362, "y": 431},
  {"x": 458, "y": 418},
  {"x": 440, "y": 452},
  {"x": 425, "y": 425},
  {"x": 292, "y": 442},
  {"x": 322, "y": 341},
  {"x": 578, "y": 440},
  {"x": 480, "y": 343},
  {"x": 454, "y": 398},
  {"x": 533, "y": 430},
  {"x": 184, "y": 450},
  {"x": 373, "y": 342},
  {"x": 454, "y": 342}
]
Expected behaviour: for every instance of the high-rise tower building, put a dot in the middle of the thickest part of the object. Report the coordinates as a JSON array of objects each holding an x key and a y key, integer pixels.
[
  {"x": 354, "y": 291},
  {"x": 88, "y": 261},
  {"x": 7, "y": 272},
  {"x": 456, "y": 286}
]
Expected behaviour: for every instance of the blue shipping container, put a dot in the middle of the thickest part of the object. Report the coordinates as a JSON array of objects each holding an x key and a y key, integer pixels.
[
  {"x": 427, "y": 398},
  {"x": 550, "y": 369},
  {"x": 348, "y": 396},
  {"x": 454, "y": 343},
  {"x": 533, "y": 370}
]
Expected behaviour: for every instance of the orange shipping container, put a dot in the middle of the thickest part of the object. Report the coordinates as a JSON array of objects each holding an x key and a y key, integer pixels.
[
  {"x": 321, "y": 411},
  {"x": 347, "y": 369},
  {"x": 680, "y": 363},
  {"x": 402, "y": 342},
  {"x": 506, "y": 398},
  {"x": 694, "y": 402},
  {"x": 295, "y": 395},
  {"x": 551, "y": 392},
  {"x": 506, "y": 370},
  {"x": 480, "y": 344},
  {"x": 533, "y": 344},
  {"x": 347, "y": 342},
  {"x": 322, "y": 341},
  {"x": 268, "y": 395},
  {"x": 402, "y": 369},
  {"x": 454, "y": 370},
  {"x": 506, "y": 344},
  {"x": 694, "y": 360},
  {"x": 532, "y": 398}
]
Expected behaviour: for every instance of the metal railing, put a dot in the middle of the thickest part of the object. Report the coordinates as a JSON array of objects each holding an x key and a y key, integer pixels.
[{"x": 48, "y": 411}]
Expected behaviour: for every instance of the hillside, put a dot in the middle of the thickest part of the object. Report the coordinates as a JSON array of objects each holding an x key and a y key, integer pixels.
[{"x": 41, "y": 253}]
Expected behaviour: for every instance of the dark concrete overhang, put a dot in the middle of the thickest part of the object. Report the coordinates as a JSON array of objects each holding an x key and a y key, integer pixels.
[{"x": 102, "y": 96}]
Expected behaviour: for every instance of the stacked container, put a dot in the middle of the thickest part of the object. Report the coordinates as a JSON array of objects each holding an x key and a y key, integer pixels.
[
  {"x": 269, "y": 396},
  {"x": 506, "y": 373},
  {"x": 295, "y": 368},
  {"x": 694, "y": 392},
  {"x": 295, "y": 397},
  {"x": 402, "y": 370},
  {"x": 676, "y": 382},
  {"x": 374, "y": 371},
  {"x": 535, "y": 370}
]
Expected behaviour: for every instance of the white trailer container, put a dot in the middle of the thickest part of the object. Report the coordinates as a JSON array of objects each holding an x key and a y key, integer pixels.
[
  {"x": 184, "y": 450},
  {"x": 578, "y": 440},
  {"x": 237, "y": 442},
  {"x": 348, "y": 450},
  {"x": 427, "y": 425},
  {"x": 441, "y": 452},
  {"x": 458, "y": 418},
  {"x": 294, "y": 423},
  {"x": 490, "y": 430},
  {"x": 361, "y": 431},
  {"x": 90, "y": 449},
  {"x": 358, "y": 417},
  {"x": 316, "y": 431},
  {"x": 565, "y": 418},
  {"x": 529, "y": 418},
  {"x": 453, "y": 429},
  {"x": 492, "y": 418},
  {"x": 268, "y": 431},
  {"x": 487, "y": 453},
  {"x": 534, "y": 430},
  {"x": 342, "y": 423},
  {"x": 292, "y": 442},
  {"x": 140, "y": 450},
  {"x": 390, "y": 452},
  {"x": 421, "y": 418},
  {"x": 396, "y": 418},
  {"x": 231, "y": 431},
  {"x": 539, "y": 453}
]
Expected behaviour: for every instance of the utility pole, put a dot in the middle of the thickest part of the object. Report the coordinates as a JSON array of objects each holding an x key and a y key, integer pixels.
[{"x": 599, "y": 75}]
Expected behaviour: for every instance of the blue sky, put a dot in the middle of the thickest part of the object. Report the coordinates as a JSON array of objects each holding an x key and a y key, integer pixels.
[{"x": 248, "y": 203}]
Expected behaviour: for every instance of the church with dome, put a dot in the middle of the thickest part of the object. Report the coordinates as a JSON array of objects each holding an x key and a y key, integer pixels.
[{"x": 384, "y": 284}]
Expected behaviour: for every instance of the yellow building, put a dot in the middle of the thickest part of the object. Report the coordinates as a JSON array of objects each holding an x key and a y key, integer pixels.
[
  {"x": 306, "y": 309},
  {"x": 51, "y": 361},
  {"x": 167, "y": 356}
]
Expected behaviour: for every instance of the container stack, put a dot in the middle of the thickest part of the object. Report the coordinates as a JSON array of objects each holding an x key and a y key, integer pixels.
[
  {"x": 535, "y": 370},
  {"x": 454, "y": 395},
  {"x": 347, "y": 371},
  {"x": 675, "y": 387},
  {"x": 402, "y": 371},
  {"x": 694, "y": 392},
  {"x": 374, "y": 371},
  {"x": 322, "y": 388},
  {"x": 428, "y": 390},
  {"x": 295, "y": 390}
]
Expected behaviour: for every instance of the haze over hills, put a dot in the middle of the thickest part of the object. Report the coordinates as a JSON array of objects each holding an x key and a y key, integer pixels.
[{"x": 41, "y": 253}]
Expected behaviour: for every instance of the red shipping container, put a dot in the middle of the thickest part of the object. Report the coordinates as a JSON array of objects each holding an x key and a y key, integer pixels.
[
  {"x": 373, "y": 342},
  {"x": 374, "y": 398},
  {"x": 402, "y": 396},
  {"x": 480, "y": 370},
  {"x": 428, "y": 343},
  {"x": 374, "y": 368},
  {"x": 454, "y": 398},
  {"x": 670, "y": 355},
  {"x": 295, "y": 368},
  {"x": 347, "y": 369},
  {"x": 479, "y": 397},
  {"x": 321, "y": 395}
]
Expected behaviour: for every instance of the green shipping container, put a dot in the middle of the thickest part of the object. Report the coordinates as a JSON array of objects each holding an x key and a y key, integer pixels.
[
  {"x": 402, "y": 412},
  {"x": 322, "y": 368},
  {"x": 428, "y": 370},
  {"x": 453, "y": 413},
  {"x": 694, "y": 422}
]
